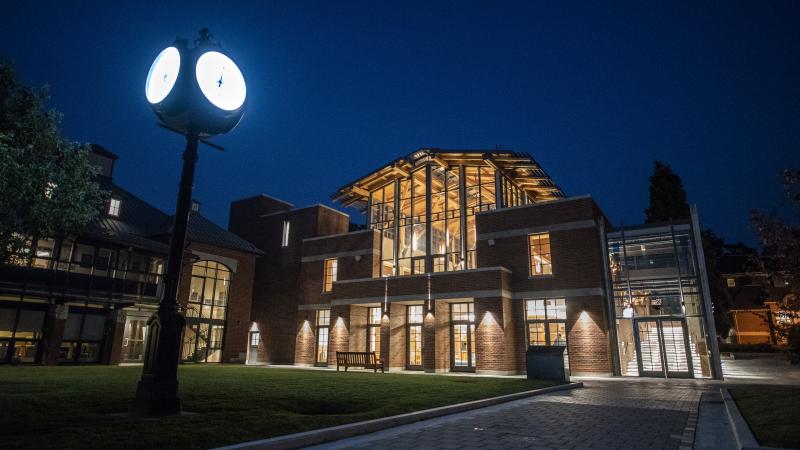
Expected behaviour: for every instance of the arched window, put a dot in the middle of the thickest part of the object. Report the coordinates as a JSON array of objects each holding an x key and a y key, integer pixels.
[{"x": 206, "y": 312}]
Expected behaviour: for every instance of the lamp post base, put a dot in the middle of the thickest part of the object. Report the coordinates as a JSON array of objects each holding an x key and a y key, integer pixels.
[{"x": 157, "y": 391}]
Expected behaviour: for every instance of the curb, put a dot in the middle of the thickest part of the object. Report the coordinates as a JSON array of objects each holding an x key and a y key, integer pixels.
[
  {"x": 744, "y": 437},
  {"x": 323, "y": 435}
]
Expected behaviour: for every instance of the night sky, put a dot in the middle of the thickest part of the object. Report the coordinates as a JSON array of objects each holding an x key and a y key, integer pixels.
[{"x": 594, "y": 91}]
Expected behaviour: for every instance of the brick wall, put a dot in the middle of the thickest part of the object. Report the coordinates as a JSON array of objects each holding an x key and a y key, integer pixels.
[
  {"x": 587, "y": 336},
  {"x": 339, "y": 338},
  {"x": 442, "y": 341},
  {"x": 358, "y": 329},
  {"x": 490, "y": 339},
  {"x": 397, "y": 336},
  {"x": 305, "y": 346}
]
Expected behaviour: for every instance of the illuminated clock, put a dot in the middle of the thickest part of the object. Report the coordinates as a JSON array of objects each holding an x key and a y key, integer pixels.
[
  {"x": 163, "y": 74},
  {"x": 196, "y": 91},
  {"x": 221, "y": 81}
]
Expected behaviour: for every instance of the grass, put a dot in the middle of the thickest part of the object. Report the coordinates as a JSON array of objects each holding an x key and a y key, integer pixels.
[
  {"x": 80, "y": 406},
  {"x": 772, "y": 412}
]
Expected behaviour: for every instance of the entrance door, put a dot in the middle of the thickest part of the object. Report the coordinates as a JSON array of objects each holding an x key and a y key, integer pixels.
[
  {"x": 462, "y": 319},
  {"x": 662, "y": 348},
  {"x": 133, "y": 340}
]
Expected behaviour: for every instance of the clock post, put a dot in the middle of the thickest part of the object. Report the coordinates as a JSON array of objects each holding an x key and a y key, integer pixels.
[{"x": 186, "y": 103}]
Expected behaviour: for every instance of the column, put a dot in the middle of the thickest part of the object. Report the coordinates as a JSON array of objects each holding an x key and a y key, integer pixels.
[
  {"x": 55, "y": 319},
  {"x": 490, "y": 336}
]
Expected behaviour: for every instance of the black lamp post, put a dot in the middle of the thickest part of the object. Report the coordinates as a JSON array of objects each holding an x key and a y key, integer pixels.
[{"x": 196, "y": 92}]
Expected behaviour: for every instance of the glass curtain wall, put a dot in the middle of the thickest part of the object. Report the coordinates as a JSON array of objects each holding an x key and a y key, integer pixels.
[
  {"x": 657, "y": 302},
  {"x": 400, "y": 210},
  {"x": 205, "y": 312}
]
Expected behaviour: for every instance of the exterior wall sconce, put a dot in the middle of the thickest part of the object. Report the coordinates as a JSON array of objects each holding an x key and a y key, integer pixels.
[
  {"x": 358, "y": 258},
  {"x": 491, "y": 242}
]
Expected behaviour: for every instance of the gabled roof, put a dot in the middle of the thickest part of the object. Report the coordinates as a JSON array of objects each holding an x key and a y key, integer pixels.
[
  {"x": 140, "y": 223},
  {"x": 520, "y": 167},
  {"x": 207, "y": 232}
]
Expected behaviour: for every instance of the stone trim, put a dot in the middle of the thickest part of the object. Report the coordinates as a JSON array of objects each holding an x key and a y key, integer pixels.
[
  {"x": 533, "y": 205},
  {"x": 421, "y": 296},
  {"x": 567, "y": 226},
  {"x": 328, "y": 236},
  {"x": 582, "y": 292},
  {"x": 312, "y": 258},
  {"x": 313, "y": 307},
  {"x": 435, "y": 274},
  {"x": 228, "y": 262}
]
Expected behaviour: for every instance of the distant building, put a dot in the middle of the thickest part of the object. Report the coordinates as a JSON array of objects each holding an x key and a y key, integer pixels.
[
  {"x": 469, "y": 258},
  {"x": 87, "y": 298},
  {"x": 756, "y": 299}
]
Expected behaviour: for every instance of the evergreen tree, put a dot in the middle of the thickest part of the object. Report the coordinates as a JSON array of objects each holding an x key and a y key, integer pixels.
[
  {"x": 47, "y": 185},
  {"x": 667, "y": 197}
]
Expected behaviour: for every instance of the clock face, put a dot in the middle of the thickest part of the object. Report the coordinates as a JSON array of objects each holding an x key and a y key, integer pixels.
[
  {"x": 221, "y": 81},
  {"x": 163, "y": 74}
]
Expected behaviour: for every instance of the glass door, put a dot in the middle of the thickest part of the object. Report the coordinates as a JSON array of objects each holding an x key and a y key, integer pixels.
[
  {"x": 133, "y": 341},
  {"x": 663, "y": 348},
  {"x": 462, "y": 318}
]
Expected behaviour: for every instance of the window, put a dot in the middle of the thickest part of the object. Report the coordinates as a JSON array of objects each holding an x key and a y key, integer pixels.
[
  {"x": 540, "y": 257},
  {"x": 731, "y": 282},
  {"x": 414, "y": 334},
  {"x": 285, "y": 234},
  {"x": 206, "y": 312},
  {"x": 255, "y": 337},
  {"x": 113, "y": 207},
  {"x": 374, "y": 316},
  {"x": 546, "y": 319},
  {"x": 330, "y": 274},
  {"x": 323, "y": 326}
]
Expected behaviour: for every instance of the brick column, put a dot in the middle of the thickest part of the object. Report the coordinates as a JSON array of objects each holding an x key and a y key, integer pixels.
[
  {"x": 490, "y": 338},
  {"x": 358, "y": 328},
  {"x": 305, "y": 340},
  {"x": 397, "y": 337},
  {"x": 115, "y": 329},
  {"x": 429, "y": 339},
  {"x": 516, "y": 339},
  {"x": 442, "y": 321},
  {"x": 339, "y": 338},
  {"x": 386, "y": 336},
  {"x": 587, "y": 336},
  {"x": 55, "y": 320}
]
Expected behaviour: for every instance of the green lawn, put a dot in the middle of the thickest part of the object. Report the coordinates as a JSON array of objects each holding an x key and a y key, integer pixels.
[
  {"x": 773, "y": 413},
  {"x": 79, "y": 406}
]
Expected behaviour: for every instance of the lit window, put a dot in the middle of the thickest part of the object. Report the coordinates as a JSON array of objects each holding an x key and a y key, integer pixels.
[
  {"x": 113, "y": 207},
  {"x": 731, "y": 282},
  {"x": 414, "y": 334},
  {"x": 374, "y": 331},
  {"x": 330, "y": 274},
  {"x": 540, "y": 257},
  {"x": 285, "y": 234},
  {"x": 546, "y": 320},
  {"x": 254, "y": 338}
]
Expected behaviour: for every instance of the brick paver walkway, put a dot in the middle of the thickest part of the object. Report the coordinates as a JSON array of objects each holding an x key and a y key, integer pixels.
[{"x": 604, "y": 414}]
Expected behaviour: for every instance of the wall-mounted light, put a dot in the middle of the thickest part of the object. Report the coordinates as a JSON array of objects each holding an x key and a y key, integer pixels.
[
  {"x": 491, "y": 242},
  {"x": 358, "y": 258}
]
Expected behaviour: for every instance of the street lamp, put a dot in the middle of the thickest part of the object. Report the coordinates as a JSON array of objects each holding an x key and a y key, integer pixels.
[{"x": 199, "y": 93}]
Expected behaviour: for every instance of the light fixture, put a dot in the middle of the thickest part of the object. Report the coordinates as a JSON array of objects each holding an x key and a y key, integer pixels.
[{"x": 491, "y": 242}]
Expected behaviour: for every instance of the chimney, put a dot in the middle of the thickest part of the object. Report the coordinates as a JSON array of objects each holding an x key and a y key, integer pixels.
[
  {"x": 195, "y": 206},
  {"x": 103, "y": 159}
]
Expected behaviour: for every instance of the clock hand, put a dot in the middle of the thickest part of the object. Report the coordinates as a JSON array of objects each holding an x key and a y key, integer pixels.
[{"x": 219, "y": 83}]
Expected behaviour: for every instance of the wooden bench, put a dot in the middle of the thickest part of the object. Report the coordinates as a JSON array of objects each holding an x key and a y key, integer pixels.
[{"x": 367, "y": 360}]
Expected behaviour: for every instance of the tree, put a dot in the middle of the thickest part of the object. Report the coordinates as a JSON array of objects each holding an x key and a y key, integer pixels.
[
  {"x": 48, "y": 185},
  {"x": 667, "y": 203},
  {"x": 667, "y": 197},
  {"x": 780, "y": 237}
]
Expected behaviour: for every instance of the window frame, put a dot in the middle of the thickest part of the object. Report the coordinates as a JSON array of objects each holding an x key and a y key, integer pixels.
[
  {"x": 286, "y": 230},
  {"x": 531, "y": 246},
  {"x": 374, "y": 330},
  {"x": 409, "y": 326},
  {"x": 317, "y": 327},
  {"x": 329, "y": 273},
  {"x": 114, "y": 207},
  {"x": 547, "y": 321}
]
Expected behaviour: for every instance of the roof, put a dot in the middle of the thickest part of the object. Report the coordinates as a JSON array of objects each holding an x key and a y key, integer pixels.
[
  {"x": 203, "y": 230},
  {"x": 140, "y": 223},
  {"x": 100, "y": 150},
  {"x": 738, "y": 264},
  {"x": 520, "y": 167}
]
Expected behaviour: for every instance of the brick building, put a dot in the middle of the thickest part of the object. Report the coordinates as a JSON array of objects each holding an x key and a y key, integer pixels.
[
  {"x": 468, "y": 259},
  {"x": 86, "y": 299}
]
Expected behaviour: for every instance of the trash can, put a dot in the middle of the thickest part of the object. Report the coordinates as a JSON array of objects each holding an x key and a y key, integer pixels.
[{"x": 546, "y": 362}]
